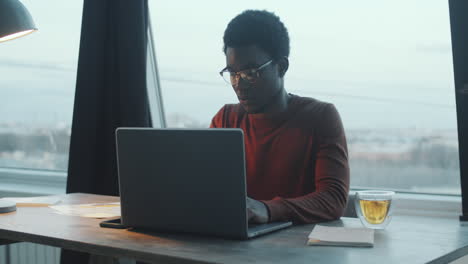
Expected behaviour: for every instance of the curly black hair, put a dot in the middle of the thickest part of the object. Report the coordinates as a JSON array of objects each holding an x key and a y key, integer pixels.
[{"x": 261, "y": 28}]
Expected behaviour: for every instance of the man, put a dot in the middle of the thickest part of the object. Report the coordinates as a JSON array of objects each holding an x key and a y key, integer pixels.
[{"x": 296, "y": 153}]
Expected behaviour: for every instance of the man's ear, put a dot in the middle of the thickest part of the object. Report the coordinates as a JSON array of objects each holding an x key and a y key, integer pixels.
[{"x": 283, "y": 65}]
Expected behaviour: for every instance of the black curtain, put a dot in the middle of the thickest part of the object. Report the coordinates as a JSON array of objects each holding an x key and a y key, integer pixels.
[{"x": 110, "y": 93}]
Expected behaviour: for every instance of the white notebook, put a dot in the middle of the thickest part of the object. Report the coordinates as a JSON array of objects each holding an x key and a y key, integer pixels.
[
  {"x": 341, "y": 236},
  {"x": 38, "y": 201}
]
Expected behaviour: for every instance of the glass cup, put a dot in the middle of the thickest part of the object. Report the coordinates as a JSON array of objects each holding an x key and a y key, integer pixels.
[{"x": 374, "y": 208}]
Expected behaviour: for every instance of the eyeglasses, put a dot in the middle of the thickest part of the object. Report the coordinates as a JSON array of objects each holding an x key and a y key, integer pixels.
[{"x": 249, "y": 75}]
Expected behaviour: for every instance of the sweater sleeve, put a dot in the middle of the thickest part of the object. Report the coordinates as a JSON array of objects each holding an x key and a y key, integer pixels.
[{"x": 329, "y": 199}]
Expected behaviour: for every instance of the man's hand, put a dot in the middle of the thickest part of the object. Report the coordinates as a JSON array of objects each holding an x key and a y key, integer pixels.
[{"x": 256, "y": 211}]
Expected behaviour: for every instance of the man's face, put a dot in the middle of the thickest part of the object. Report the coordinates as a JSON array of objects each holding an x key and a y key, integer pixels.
[{"x": 253, "y": 97}]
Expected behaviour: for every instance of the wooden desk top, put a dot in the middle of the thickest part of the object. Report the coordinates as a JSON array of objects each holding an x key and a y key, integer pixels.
[{"x": 408, "y": 239}]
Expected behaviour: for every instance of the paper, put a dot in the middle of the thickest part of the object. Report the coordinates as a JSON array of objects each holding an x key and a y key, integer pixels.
[
  {"x": 341, "y": 236},
  {"x": 33, "y": 201},
  {"x": 96, "y": 210}
]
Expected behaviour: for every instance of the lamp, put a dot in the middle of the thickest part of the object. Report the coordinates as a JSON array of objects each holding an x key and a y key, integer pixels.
[{"x": 15, "y": 20}]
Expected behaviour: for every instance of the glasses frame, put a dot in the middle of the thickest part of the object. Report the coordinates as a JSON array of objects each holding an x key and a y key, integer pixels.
[{"x": 243, "y": 73}]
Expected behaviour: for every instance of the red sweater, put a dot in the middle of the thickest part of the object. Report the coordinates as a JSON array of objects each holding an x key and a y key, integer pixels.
[{"x": 297, "y": 160}]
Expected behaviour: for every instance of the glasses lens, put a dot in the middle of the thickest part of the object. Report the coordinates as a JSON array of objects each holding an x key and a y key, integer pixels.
[
  {"x": 232, "y": 78},
  {"x": 248, "y": 75}
]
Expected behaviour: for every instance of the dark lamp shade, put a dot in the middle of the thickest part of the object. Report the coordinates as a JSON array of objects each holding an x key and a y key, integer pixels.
[{"x": 15, "y": 20}]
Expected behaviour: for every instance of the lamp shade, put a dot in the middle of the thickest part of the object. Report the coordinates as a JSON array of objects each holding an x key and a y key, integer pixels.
[{"x": 15, "y": 20}]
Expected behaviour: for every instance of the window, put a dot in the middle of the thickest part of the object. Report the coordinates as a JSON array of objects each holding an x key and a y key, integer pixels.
[
  {"x": 37, "y": 85},
  {"x": 385, "y": 65}
]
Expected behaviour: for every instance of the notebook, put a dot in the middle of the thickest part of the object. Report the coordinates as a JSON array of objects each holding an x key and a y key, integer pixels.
[
  {"x": 39, "y": 201},
  {"x": 341, "y": 236}
]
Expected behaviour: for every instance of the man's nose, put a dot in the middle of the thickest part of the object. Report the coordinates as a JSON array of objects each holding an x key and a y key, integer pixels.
[{"x": 241, "y": 84}]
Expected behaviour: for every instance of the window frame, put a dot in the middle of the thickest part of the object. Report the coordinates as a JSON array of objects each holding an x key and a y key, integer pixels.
[
  {"x": 459, "y": 25},
  {"x": 158, "y": 116}
]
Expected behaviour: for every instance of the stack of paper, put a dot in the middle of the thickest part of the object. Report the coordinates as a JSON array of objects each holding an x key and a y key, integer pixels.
[
  {"x": 33, "y": 201},
  {"x": 341, "y": 236},
  {"x": 96, "y": 210}
]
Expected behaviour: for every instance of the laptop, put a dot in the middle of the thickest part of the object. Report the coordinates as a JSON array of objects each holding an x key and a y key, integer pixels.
[{"x": 185, "y": 180}]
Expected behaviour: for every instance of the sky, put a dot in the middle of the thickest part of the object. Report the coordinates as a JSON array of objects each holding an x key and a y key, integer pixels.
[{"x": 384, "y": 64}]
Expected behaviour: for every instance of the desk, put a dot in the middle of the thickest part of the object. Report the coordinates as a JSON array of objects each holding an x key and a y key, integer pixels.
[{"x": 408, "y": 239}]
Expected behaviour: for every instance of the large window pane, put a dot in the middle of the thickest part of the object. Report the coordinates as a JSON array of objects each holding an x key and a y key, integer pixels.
[
  {"x": 37, "y": 84},
  {"x": 386, "y": 65}
]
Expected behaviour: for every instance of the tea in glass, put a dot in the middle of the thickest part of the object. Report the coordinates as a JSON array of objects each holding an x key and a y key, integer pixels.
[{"x": 374, "y": 208}]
